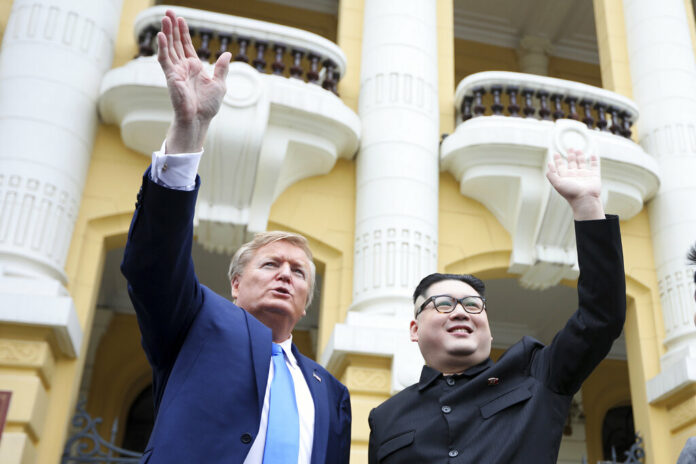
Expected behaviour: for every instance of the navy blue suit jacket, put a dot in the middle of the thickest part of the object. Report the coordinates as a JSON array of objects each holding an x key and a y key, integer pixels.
[{"x": 210, "y": 359}]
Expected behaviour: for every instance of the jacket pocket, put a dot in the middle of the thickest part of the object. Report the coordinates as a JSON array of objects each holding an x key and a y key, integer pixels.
[
  {"x": 395, "y": 443},
  {"x": 510, "y": 398}
]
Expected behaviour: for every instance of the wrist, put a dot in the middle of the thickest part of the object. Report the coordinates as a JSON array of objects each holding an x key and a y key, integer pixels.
[
  {"x": 587, "y": 208},
  {"x": 186, "y": 136}
]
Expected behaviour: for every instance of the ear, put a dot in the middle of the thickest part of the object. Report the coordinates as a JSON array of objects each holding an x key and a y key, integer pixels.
[
  {"x": 413, "y": 329},
  {"x": 235, "y": 287}
]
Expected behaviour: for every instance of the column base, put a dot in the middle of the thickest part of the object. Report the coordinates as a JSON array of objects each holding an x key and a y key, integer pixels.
[
  {"x": 374, "y": 335},
  {"x": 676, "y": 379},
  {"x": 41, "y": 303}
]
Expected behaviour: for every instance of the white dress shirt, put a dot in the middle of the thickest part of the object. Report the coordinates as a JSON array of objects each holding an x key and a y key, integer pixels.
[{"x": 178, "y": 172}]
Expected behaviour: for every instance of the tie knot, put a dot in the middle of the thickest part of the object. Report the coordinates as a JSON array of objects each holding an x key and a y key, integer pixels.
[{"x": 276, "y": 349}]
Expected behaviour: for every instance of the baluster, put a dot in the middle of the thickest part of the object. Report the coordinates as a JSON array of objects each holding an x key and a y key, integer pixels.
[
  {"x": 466, "y": 108},
  {"x": 557, "y": 100},
  {"x": 544, "y": 111},
  {"x": 313, "y": 73},
  {"x": 529, "y": 109},
  {"x": 496, "y": 107},
  {"x": 329, "y": 82},
  {"x": 242, "y": 55},
  {"x": 625, "y": 124},
  {"x": 336, "y": 78},
  {"x": 224, "y": 44},
  {"x": 601, "y": 116},
  {"x": 259, "y": 63},
  {"x": 145, "y": 47},
  {"x": 615, "y": 123},
  {"x": 513, "y": 108},
  {"x": 572, "y": 108},
  {"x": 588, "y": 119},
  {"x": 479, "y": 109},
  {"x": 296, "y": 70},
  {"x": 203, "y": 52},
  {"x": 278, "y": 66}
]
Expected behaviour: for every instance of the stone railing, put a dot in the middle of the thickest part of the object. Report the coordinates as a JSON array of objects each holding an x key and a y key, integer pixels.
[
  {"x": 511, "y": 94},
  {"x": 293, "y": 53}
]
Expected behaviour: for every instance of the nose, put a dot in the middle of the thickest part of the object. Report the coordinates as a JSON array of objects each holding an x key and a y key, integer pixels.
[
  {"x": 284, "y": 272},
  {"x": 459, "y": 313}
]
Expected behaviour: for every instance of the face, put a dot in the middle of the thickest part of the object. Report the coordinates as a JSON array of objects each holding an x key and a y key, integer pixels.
[
  {"x": 455, "y": 341},
  {"x": 274, "y": 286}
]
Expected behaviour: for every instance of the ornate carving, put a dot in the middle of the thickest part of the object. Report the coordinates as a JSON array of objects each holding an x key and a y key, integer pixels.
[
  {"x": 36, "y": 218},
  {"x": 392, "y": 258},
  {"x": 676, "y": 293},
  {"x": 369, "y": 379},
  {"x": 21, "y": 353}
]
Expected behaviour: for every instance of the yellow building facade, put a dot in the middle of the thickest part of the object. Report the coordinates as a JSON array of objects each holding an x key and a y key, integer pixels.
[{"x": 89, "y": 345}]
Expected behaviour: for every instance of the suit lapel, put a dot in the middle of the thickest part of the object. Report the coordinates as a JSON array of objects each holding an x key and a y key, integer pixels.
[
  {"x": 317, "y": 387},
  {"x": 260, "y": 342}
]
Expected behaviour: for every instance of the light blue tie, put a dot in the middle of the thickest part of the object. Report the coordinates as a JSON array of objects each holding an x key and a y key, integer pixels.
[{"x": 283, "y": 432}]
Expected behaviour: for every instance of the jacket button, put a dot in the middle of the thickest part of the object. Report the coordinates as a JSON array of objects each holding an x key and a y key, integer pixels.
[
  {"x": 246, "y": 438},
  {"x": 453, "y": 453},
  {"x": 446, "y": 409},
  {"x": 450, "y": 381}
]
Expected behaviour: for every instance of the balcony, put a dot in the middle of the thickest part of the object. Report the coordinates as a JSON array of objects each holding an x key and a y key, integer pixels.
[
  {"x": 509, "y": 127},
  {"x": 281, "y": 120}
]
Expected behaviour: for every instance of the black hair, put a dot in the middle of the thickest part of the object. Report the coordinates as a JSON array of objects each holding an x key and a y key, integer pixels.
[
  {"x": 475, "y": 283},
  {"x": 692, "y": 257}
]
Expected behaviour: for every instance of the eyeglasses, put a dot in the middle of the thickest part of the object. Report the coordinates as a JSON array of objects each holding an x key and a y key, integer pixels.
[{"x": 446, "y": 304}]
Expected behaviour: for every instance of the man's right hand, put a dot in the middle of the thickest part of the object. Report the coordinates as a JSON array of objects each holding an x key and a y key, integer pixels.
[{"x": 195, "y": 96}]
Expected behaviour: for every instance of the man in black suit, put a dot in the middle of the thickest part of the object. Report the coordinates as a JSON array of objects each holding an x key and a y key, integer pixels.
[{"x": 468, "y": 409}]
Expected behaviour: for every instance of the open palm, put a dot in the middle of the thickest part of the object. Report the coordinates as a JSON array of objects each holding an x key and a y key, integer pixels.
[
  {"x": 195, "y": 95},
  {"x": 575, "y": 178}
]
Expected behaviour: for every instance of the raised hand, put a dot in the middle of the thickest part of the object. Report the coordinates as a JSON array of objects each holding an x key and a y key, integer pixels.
[
  {"x": 195, "y": 95},
  {"x": 579, "y": 182}
]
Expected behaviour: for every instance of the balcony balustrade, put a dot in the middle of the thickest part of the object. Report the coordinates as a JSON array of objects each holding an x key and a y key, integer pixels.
[
  {"x": 509, "y": 126},
  {"x": 276, "y": 126},
  {"x": 309, "y": 56}
]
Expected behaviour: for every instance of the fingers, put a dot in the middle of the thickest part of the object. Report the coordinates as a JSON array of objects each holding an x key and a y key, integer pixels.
[
  {"x": 163, "y": 51},
  {"x": 222, "y": 65},
  {"x": 188, "y": 48}
]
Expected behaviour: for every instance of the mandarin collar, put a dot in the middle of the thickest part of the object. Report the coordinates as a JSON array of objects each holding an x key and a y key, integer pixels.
[{"x": 429, "y": 375}]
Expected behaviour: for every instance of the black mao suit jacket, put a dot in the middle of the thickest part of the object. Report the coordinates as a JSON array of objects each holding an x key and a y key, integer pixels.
[
  {"x": 513, "y": 410},
  {"x": 210, "y": 359}
]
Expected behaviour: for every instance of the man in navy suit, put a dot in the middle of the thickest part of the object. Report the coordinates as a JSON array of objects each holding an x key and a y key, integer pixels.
[
  {"x": 229, "y": 385},
  {"x": 467, "y": 408}
]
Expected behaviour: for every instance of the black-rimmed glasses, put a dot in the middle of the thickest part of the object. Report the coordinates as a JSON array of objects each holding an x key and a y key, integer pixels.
[{"x": 447, "y": 304}]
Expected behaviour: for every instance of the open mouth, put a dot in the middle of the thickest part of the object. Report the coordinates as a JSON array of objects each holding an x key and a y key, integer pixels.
[
  {"x": 460, "y": 329},
  {"x": 282, "y": 290}
]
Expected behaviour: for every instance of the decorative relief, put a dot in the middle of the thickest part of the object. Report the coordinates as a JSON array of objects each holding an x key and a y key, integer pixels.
[
  {"x": 387, "y": 259},
  {"x": 363, "y": 378},
  {"x": 397, "y": 88},
  {"x": 36, "y": 220},
  {"x": 676, "y": 293},
  {"x": 669, "y": 139},
  {"x": 50, "y": 23},
  {"x": 20, "y": 353}
]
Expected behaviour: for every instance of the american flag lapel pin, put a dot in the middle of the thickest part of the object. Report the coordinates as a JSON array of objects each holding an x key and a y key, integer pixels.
[
  {"x": 493, "y": 381},
  {"x": 314, "y": 374}
]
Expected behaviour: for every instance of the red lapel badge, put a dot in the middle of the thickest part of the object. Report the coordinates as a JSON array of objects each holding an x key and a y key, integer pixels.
[{"x": 493, "y": 381}]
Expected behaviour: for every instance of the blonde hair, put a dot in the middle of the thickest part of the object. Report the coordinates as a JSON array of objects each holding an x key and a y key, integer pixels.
[{"x": 247, "y": 251}]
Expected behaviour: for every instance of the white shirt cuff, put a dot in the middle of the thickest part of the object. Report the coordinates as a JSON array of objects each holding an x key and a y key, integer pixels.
[{"x": 177, "y": 171}]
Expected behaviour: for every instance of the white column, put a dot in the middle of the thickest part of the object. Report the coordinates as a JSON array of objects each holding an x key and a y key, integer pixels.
[
  {"x": 533, "y": 55},
  {"x": 397, "y": 180},
  {"x": 663, "y": 71},
  {"x": 53, "y": 56}
]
